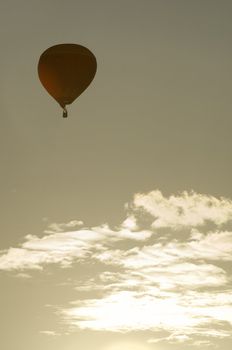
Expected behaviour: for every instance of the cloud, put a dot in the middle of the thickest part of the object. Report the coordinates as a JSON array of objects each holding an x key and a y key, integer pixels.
[
  {"x": 130, "y": 223},
  {"x": 187, "y": 209},
  {"x": 60, "y": 227},
  {"x": 167, "y": 273},
  {"x": 49, "y": 333},
  {"x": 64, "y": 248},
  {"x": 132, "y": 310}
]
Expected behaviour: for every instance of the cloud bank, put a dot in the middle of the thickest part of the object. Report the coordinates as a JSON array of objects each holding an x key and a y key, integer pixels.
[{"x": 165, "y": 268}]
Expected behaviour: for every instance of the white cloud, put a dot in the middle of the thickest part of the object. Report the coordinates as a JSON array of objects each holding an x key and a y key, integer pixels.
[
  {"x": 187, "y": 209},
  {"x": 49, "y": 333},
  {"x": 148, "y": 279},
  {"x": 64, "y": 248},
  {"x": 60, "y": 248},
  {"x": 130, "y": 310},
  {"x": 130, "y": 223},
  {"x": 173, "y": 338},
  {"x": 61, "y": 227}
]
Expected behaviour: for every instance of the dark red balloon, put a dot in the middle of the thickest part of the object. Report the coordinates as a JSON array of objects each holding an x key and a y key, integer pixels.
[{"x": 65, "y": 71}]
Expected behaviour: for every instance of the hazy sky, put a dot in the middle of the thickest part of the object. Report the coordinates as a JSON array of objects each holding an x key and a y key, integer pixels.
[{"x": 116, "y": 225}]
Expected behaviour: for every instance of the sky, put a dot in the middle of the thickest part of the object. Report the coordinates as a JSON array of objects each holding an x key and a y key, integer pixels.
[{"x": 116, "y": 223}]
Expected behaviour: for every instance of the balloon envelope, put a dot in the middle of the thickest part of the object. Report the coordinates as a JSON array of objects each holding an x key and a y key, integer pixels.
[{"x": 66, "y": 70}]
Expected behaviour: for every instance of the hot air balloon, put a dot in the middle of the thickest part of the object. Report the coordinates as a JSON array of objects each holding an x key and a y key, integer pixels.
[{"x": 65, "y": 71}]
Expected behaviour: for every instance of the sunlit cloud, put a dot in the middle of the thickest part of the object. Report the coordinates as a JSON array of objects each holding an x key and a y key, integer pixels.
[
  {"x": 64, "y": 248},
  {"x": 60, "y": 227},
  {"x": 49, "y": 333},
  {"x": 133, "y": 310},
  {"x": 164, "y": 268},
  {"x": 187, "y": 209}
]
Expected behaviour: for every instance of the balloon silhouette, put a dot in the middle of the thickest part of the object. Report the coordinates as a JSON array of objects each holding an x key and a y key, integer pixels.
[{"x": 65, "y": 71}]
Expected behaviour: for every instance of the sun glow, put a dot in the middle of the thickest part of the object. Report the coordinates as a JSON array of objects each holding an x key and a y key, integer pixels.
[{"x": 127, "y": 346}]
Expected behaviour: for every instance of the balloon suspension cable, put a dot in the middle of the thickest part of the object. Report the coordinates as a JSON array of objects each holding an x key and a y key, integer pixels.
[{"x": 65, "y": 112}]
